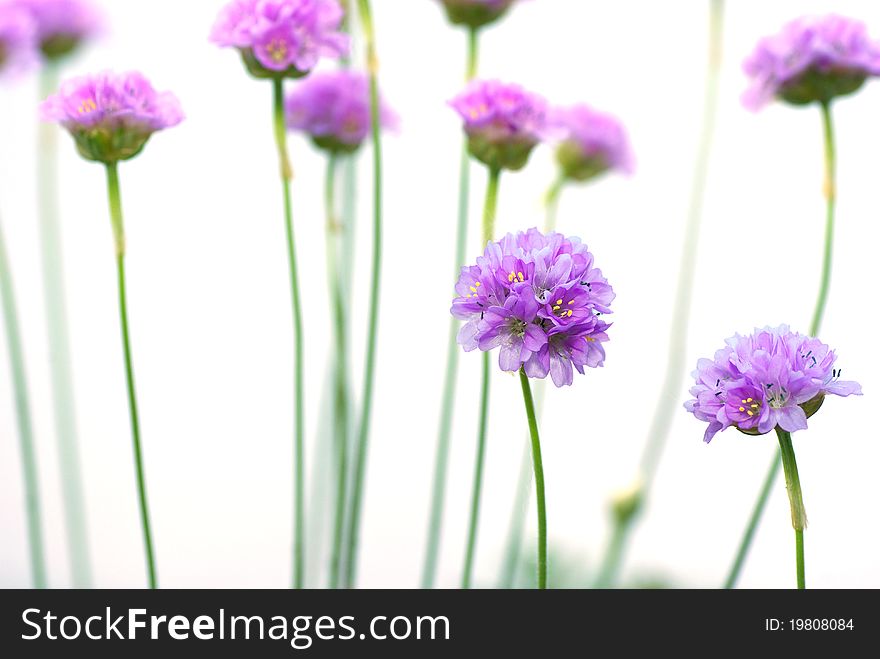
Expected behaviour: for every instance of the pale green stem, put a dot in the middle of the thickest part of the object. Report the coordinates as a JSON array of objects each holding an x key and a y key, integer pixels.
[
  {"x": 551, "y": 203},
  {"x": 795, "y": 499},
  {"x": 539, "y": 479}
]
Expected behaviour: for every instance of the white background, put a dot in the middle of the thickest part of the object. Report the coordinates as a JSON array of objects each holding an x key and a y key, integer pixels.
[{"x": 211, "y": 322}]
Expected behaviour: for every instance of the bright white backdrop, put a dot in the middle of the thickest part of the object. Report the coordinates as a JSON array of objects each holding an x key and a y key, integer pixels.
[{"x": 211, "y": 324}]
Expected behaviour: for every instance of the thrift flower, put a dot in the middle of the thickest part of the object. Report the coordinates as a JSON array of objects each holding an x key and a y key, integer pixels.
[
  {"x": 811, "y": 59},
  {"x": 590, "y": 143},
  {"x": 539, "y": 299},
  {"x": 333, "y": 108},
  {"x": 17, "y": 38},
  {"x": 62, "y": 25},
  {"x": 771, "y": 378},
  {"x": 281, "y": 38},
  {"x": 475, "y": 13},
  {"x": 111, "y": 116},
  {"x": 503, "y": 122}
]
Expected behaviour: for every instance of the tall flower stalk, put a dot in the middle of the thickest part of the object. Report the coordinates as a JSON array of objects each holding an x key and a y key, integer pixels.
[
  {"x": 539, "y": 479},
  {"x": 825, "y": 70},
  {"x": 625, "y": 509},
  {"x": 23, "y": 417}
]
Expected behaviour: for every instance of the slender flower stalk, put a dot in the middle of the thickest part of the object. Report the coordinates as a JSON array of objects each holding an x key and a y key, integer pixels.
[
  {"x": 23, "y": 416},
  {"x": 539, "y": 479},
  {"x": 795, "y": 499},
  {"x": 658, "y": 431},
  {"x": 362, "y": 445},
  {"x": 490, "y": 210},
  {"x": 447, "y": 404},
  {"x": 551, "y": 203},
  {"x": 115, "y": 202},
  {"x": 64, "y": 407}
]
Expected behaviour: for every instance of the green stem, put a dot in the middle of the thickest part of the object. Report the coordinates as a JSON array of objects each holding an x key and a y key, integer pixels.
[
  {"x": 490, "y": 210},
  {"x": 299, "y": 545},
  {"x": 119, "y": 241},
  {"x": 675, "y": 370},
  {"x": 25, "y": 424},
  {"x": 610, "y": 565},
  {"x": 551, "y": 203},
  {"x": 64, "y": 409},
  {"x": 539, "y": 479},
  {"x": 340, "y": 367},
  {"x": 815, "y": 326},
  {"x": 366, "y": 16},
  {"x": 447, "y": 404},
  {"x": 795, "y": 499}
]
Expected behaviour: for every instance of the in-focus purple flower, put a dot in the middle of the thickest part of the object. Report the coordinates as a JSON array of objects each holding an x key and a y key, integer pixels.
[
  {"x": 814, "y": 58},
  {"x": 773, "y": 377},
  {"x": 333, "y": 108},
  {"x": 540, "y": 299},
  {"x": 475, "y": 13},
  {"x": 17, "y": 38},
  {"x": 590, "y": 143},
  {"x": 503, "y": 122},
  {"x": 281, "y": 38},
  {"x": 111, "y": 115},
  {"x": 62, "y": 25}
]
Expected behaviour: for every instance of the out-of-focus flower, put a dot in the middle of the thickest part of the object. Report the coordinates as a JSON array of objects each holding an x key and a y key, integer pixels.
[
  {"x": 590, "y": 143},
  {"x": 539, "y": 298},
  {"x": 475, "y": 13},
  {"x": 111, "y": 116},
  {"x": 17, "y": 38},
  {"x": 281, "y": 38},
  {"x": 503, "y": 122},
  {"x": 811, "y": 59},
  {"x": 62, "y": 25},
  {"x": 333, "y": 108},
  {"x": 773, "y": 377}
]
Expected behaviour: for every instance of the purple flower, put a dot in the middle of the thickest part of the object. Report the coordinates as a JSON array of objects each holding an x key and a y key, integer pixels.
[
  {"x": 590, "y": 143},
  {"x": 333, "y": 108},
  {"x": 811, "y": 59},
  {"x": 62, "y": 25},
  {"x": 503, "y": 122},
  {"x": 538, "y": 298},
  {"x": 475, "y": 13},
  {"x": 17, "y": 38},
  {"x": 111, "y": 116},
  {"x": 281, "y": 38},
  {"x": 771, "y": 378}
]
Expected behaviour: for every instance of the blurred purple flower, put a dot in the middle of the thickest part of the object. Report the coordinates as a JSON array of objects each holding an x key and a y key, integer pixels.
[
  {"x": 539, "y": 298},
  {"x": 811, "y": 59},
  {"x": 475, "y": 13},
  {"x": 17, "y": 38},
  {"x": 503, "y": 122},
  {"x": 590, "y": 143},
  {"x": 333, "y": 108},
  {"x": 771, "y": 378},
  {"x": 281, "y": 38},
  {"x": 111, "y": 116},
  {"x": 62, "y": 25}
]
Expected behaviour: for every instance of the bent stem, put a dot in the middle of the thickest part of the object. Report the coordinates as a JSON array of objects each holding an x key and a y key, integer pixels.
[
  {"x": 795, "y": 499},
  {"x": 667, "y": 404},
  {"x": 63, "y": 405},
  {"x": 115, "y": 202},
  {"x": 830, "y": 190},
  {"x": 539, "y": 479},
  {"x": 490, "y": 209},
  {"x": 360, "y": 465},
  {"x": 447, "y": 404},
  {"x": 299, "y": 544},
  {"x": 23, "y": 416}
]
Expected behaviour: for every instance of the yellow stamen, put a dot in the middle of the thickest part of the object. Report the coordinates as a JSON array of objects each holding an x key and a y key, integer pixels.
[
  {"x": 473, "y": 289},
  {"x": 750, "y": 413},
  {"x": 742, "y": 409}
]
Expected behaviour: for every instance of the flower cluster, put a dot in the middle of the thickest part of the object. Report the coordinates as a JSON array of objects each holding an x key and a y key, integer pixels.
[
  {"x": 590, "y": 143},
  {"x": 503, "y": 122},
  {"x": 811, "y": 59},
  {"x": 281, "y": 38},
  {"x": 540, "y": 299},
  {"x": 111, "y": 116},
  {"x": 333, "y": 108},
  {"x": 771, "y": 378},
  {"x": 475, "y": 13},
  {"x": 62, "y": 24},
  {"x": 17, "y": 38}
]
